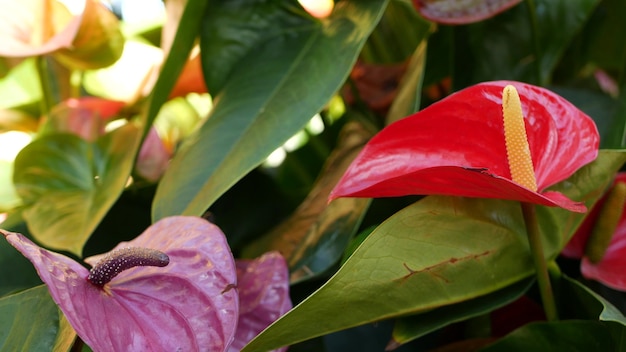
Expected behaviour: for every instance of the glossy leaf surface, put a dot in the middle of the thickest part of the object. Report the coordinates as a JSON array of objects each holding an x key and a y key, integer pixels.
[
  {"x": 150, "y": 308},
  {"x": 31, "y": 321},
  {"x": 456, "y": 147},
  {"x": 69, "y": 184},
  {"x": 261, "y": 104},
  {"x": 420, "y": 258}
]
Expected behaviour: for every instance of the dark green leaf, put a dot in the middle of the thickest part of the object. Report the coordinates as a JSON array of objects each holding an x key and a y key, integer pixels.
[
  {"x": 410, "y": 328},
  {"x": 69, "y": 184},
  {"x": 268, "y": 96},
  {"x": 31, "y": 321},
  {"x": 397, "y": 35},
  {"x": 16, "y": 272},
  {"x": 573, "y": 335},
  {"x": 605, "y": 48},
  {"x": 579, "y": 302},
  {"x": 409, "y": 95},
  {"x": 522, "y": 44}
]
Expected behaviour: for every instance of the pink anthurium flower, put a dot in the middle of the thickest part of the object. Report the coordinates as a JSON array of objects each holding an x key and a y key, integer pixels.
[
  {"x": 153, "y": 157},
  {"x": 609, "y": 269},
  {"x": 176, "y": 289},
  {"x": 461, "y": 12},
  {"x": 85, "y": 117},
  {"x": 263, "y": 286},
  {"x": 457, "y": 147}
]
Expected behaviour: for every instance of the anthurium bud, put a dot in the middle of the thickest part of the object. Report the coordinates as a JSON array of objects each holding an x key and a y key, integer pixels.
[
  {"x": 517, "y": 148},
  {"x": 607, "y": 222}
]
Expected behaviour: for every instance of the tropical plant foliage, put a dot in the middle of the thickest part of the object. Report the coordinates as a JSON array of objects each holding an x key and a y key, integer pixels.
[{"x": 322, "y": 175}]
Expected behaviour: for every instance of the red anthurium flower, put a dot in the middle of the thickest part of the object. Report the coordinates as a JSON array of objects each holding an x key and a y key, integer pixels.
[
  {"x": 457, "y": 147},
  {"x": 609, "y": 269},
  {"x": 187, "y": 300},
  {"x": 461, "y": 12}
]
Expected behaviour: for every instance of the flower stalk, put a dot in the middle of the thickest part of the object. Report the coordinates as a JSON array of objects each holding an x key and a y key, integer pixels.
[
  {"x": 523, "y": 173},
  {"x": 539, "y": 261}
]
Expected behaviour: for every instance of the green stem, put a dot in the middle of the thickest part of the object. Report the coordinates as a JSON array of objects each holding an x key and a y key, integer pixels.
[
  {"x": 539, "y": 260},
  {"x": 47, "y": 100}
]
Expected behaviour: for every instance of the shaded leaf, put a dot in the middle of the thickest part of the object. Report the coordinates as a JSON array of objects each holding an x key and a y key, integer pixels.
[
  {"x": 31, "y": 321},
  {"x": 577, "y": 301},
  {"x": 410, "y": 328},
  {"x": 570, "y": 335},
  {"x": 271, "y": 94},
  {"x": 507, "y": 47},
  {"x": 408, "y": 98},
  {"x": 16, "y": 272}
]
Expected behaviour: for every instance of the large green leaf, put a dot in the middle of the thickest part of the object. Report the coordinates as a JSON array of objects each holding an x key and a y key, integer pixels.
[
  {"x": 31, "y": 321},
  {"x": 434, "y": 253},
  {"x": 69, "y": 184},
  {"x": 273, "y": 89}
]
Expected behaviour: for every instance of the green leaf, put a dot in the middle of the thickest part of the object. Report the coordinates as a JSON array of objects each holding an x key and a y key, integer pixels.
[
  {"x": 8, "y": 196},
  {"x": 21, "y": 86},
  {"x": 397, "y": 35},
  {"x": 184, "y": 40},
  {"x": 573, "y": 335},
  {"x": 577, "y": 301},
  {"x": 16, "y": 272},
  {"x": 409, "y": 95},
  {"x": 410, "y": 328},
  {"x": 520, "y": 44},
  {"x": 603, "y": 47},
  {"x": 69, "y": 184},
  {"x": 608, "y": 113},
  {"x": 434, "y": 253},
  {"x": 31, "y": 321},
  {"x": 270, "y": 94}
]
